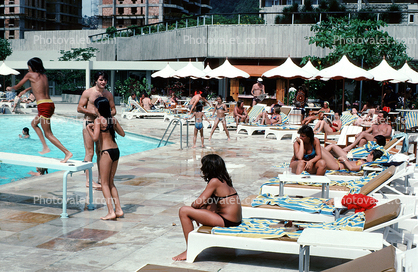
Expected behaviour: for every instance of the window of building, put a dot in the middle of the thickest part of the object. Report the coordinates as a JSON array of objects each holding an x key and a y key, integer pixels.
[
  {"x": 120, "y": 23},
  {"x": 134, "y": 21},
  {"x": 133, "y": 1},
  {"x": 411, "y": 18},
  {"x": 11, "y": 22},
  {"x": 134, "y": 10},
  {"x": 120, "y": 10},
  {"x": 12, "y": 10},
  {"x": 11, "y": 34}
]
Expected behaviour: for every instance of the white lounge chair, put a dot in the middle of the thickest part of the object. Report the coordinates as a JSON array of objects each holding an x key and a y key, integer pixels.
[
  {"x": 378, "y": 218},
  {"x": 141, "y": 112}
]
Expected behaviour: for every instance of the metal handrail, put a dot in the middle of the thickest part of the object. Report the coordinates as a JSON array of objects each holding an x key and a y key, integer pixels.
[{"x": 176, "y": 121}]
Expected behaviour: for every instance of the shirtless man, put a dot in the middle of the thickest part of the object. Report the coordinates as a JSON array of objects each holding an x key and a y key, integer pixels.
[
  {"x": 196, "y": 99},
  {"x": 86, "y": 106},
  {"x": 382, "y": 128},
  {"x": 146, "y": 102},
  {"x": 40, "y": 88},
  {"x": 258, "y": 89}
]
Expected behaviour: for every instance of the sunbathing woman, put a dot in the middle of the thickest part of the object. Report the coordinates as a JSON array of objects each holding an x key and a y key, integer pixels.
[
  {"x": 307, "y": 153},
  {"x": 327, "y": 127},
  {"x": 313, "y": 115},
  {"x": 103, "y": 130},
  {"x": 220, "y": 110},
  {"x": 240, "y": 113},
  {"x": 343, "y": 163},
  {"x": 219, "y": 204},
  {"x": 275, "y": 118}
]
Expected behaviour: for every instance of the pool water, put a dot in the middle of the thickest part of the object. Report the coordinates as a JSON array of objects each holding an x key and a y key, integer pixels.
[{"x": 68, "y": 131}]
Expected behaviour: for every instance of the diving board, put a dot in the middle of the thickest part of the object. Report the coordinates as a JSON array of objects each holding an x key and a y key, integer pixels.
[{"x": 71, "y": 166}]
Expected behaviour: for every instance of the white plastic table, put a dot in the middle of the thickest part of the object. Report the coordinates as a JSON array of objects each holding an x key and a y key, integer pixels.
[
  {"x": 303, "y": 178},
  {"x": 69, "y": 167},
  {"x": 337, "y": 239}
]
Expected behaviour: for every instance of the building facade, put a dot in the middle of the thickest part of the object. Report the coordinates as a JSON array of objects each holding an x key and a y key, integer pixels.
[
  {"x": 18, "y": 16},
  {"x": 124, "y": 13}
]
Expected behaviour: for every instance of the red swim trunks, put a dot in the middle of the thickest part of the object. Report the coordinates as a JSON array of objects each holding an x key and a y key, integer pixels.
[{"x": 46, "y": 108}]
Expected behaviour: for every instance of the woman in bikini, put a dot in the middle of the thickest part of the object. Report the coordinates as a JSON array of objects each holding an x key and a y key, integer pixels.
[
  {"x": 103, "y": 130},
  {"x": 307, "y": 155},
  {"x": 275, "y": 118},
  {"x": 327, "y": 126},
  {"x": 343, "y": 163},
  {"x": 219, "y": 204},
  {"x": 313, "y": 115},
  {"x": 220, "y": 110},
  {"x": 240, "y": 113}
]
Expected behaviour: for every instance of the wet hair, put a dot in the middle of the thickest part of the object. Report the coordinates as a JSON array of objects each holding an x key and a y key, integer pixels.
[
  {"x": 103, "y": 106},
  {"x": 26, "y": 130},
  {"x": 199, "y": 107},
  {"x": 380, "y": 140},
  {"x": 376, "y": 154},
  {"x": 308, "y": 131},
  {"x": 277, "y": 109},
  {"x": 239, "y": 102},
  {"x": 41, "y": 170},
  {"x": 100, "y": 73},
  {"x": 36, "y": 65},
  {"x": 213, "y": 166}
]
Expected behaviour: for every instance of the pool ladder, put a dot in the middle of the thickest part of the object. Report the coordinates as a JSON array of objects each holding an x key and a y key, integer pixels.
[{"x": 176, "y": 121}]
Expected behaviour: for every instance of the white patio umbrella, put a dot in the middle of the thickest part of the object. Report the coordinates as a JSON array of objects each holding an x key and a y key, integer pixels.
[
  {"x": 226, "y": 70},
  {"x": 342, "y": 70},
  {"x": 384, "y": 72},
  {"x": 164, "y": 73},
  {"x": 207, "y": 70},
  {"x": 308, "y": 67},
  {"x": 408, "y": 72},
  {"x": 189, "y": 71},
  {"x": 288, "y": 70},
  {"x": 5, "y": 71}
]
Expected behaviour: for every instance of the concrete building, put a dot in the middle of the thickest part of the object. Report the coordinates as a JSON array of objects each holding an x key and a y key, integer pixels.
[
  {"x": 124, "y": 13},
  {"x": 18, "y": 16}
]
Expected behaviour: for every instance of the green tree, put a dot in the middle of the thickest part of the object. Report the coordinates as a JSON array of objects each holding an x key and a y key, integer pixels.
[
  {"x": 78, "y": 54},
  {"x": 72, "y": 80},
  {"x": 5, "y": 49},
  {"x": 131, "y": 85},
  {"x": 245, "y": 6},
  {"x": 358, "y": 39}
]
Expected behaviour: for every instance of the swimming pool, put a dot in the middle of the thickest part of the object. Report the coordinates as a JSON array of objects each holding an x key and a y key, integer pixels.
[{"x": 68, "y": 131}]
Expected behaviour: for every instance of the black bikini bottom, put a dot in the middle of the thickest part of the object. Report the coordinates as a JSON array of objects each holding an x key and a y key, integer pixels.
[{"x": 113, "y": 153}]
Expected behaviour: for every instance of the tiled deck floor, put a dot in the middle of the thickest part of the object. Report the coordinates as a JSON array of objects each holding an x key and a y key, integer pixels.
[{"x": 152, "y": 186}]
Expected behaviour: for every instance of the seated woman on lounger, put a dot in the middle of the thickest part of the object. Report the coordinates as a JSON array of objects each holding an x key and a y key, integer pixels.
[
  {"x": 343, "y": 163},
  {"x": 275, "y": 118},
  {"x": 313, "y": 115},
  {"x": 327, "y": 126},
  {"x": 219, "y": 204},
  {"x": 307, "y": 155}
]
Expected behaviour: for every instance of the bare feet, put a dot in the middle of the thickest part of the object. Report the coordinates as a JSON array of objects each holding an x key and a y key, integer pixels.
[
  {"x": 194, "y": 146},
  {"x": 109, "y": 216},
  {"x": 229, "y": 139},
  {"x": 45, "y": 150},
  {"x": 67, "y": 157},
  {"x": 203, "y": 146},
  {"x": 119, "y": 214},
  {"x": 181, "y": 257},
  {"x": 210, "y": 138},
  {"x": 96, "y": 185}
]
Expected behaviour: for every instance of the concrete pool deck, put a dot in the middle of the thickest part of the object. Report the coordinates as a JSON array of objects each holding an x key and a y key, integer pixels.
[{"x": 152, "y": 186}]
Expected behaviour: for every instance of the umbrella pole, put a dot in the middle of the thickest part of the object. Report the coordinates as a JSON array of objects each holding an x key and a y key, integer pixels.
[
  {"x": 190, "y": 87},
  {"x": 343, "y": 94},
  {"x": 287, "y": 90},
  {"x": 381, "y": 105}
]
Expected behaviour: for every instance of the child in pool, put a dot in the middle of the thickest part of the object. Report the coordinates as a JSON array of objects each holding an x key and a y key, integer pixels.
[
  {"x": 103, "y": 130},
  {"x": 220, "y": 110},
  {"x": 39, "y": 171},
  {"x": 25, "y": 133},
  {"x": 198, "y": 126},
  {"x": 219, "y": 204}
]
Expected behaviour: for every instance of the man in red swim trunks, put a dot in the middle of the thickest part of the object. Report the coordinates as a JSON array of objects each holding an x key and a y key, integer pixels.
[{"x": 40, "y": 87}]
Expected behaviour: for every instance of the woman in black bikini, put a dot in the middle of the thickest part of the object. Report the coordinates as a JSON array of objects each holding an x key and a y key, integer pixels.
[
  {"x": 219, "y": 204},
  {"x": 103, "y": 130}
]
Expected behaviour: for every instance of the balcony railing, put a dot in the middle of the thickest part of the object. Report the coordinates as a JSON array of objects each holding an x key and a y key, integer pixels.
[{"x": 232, "y": 19}]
